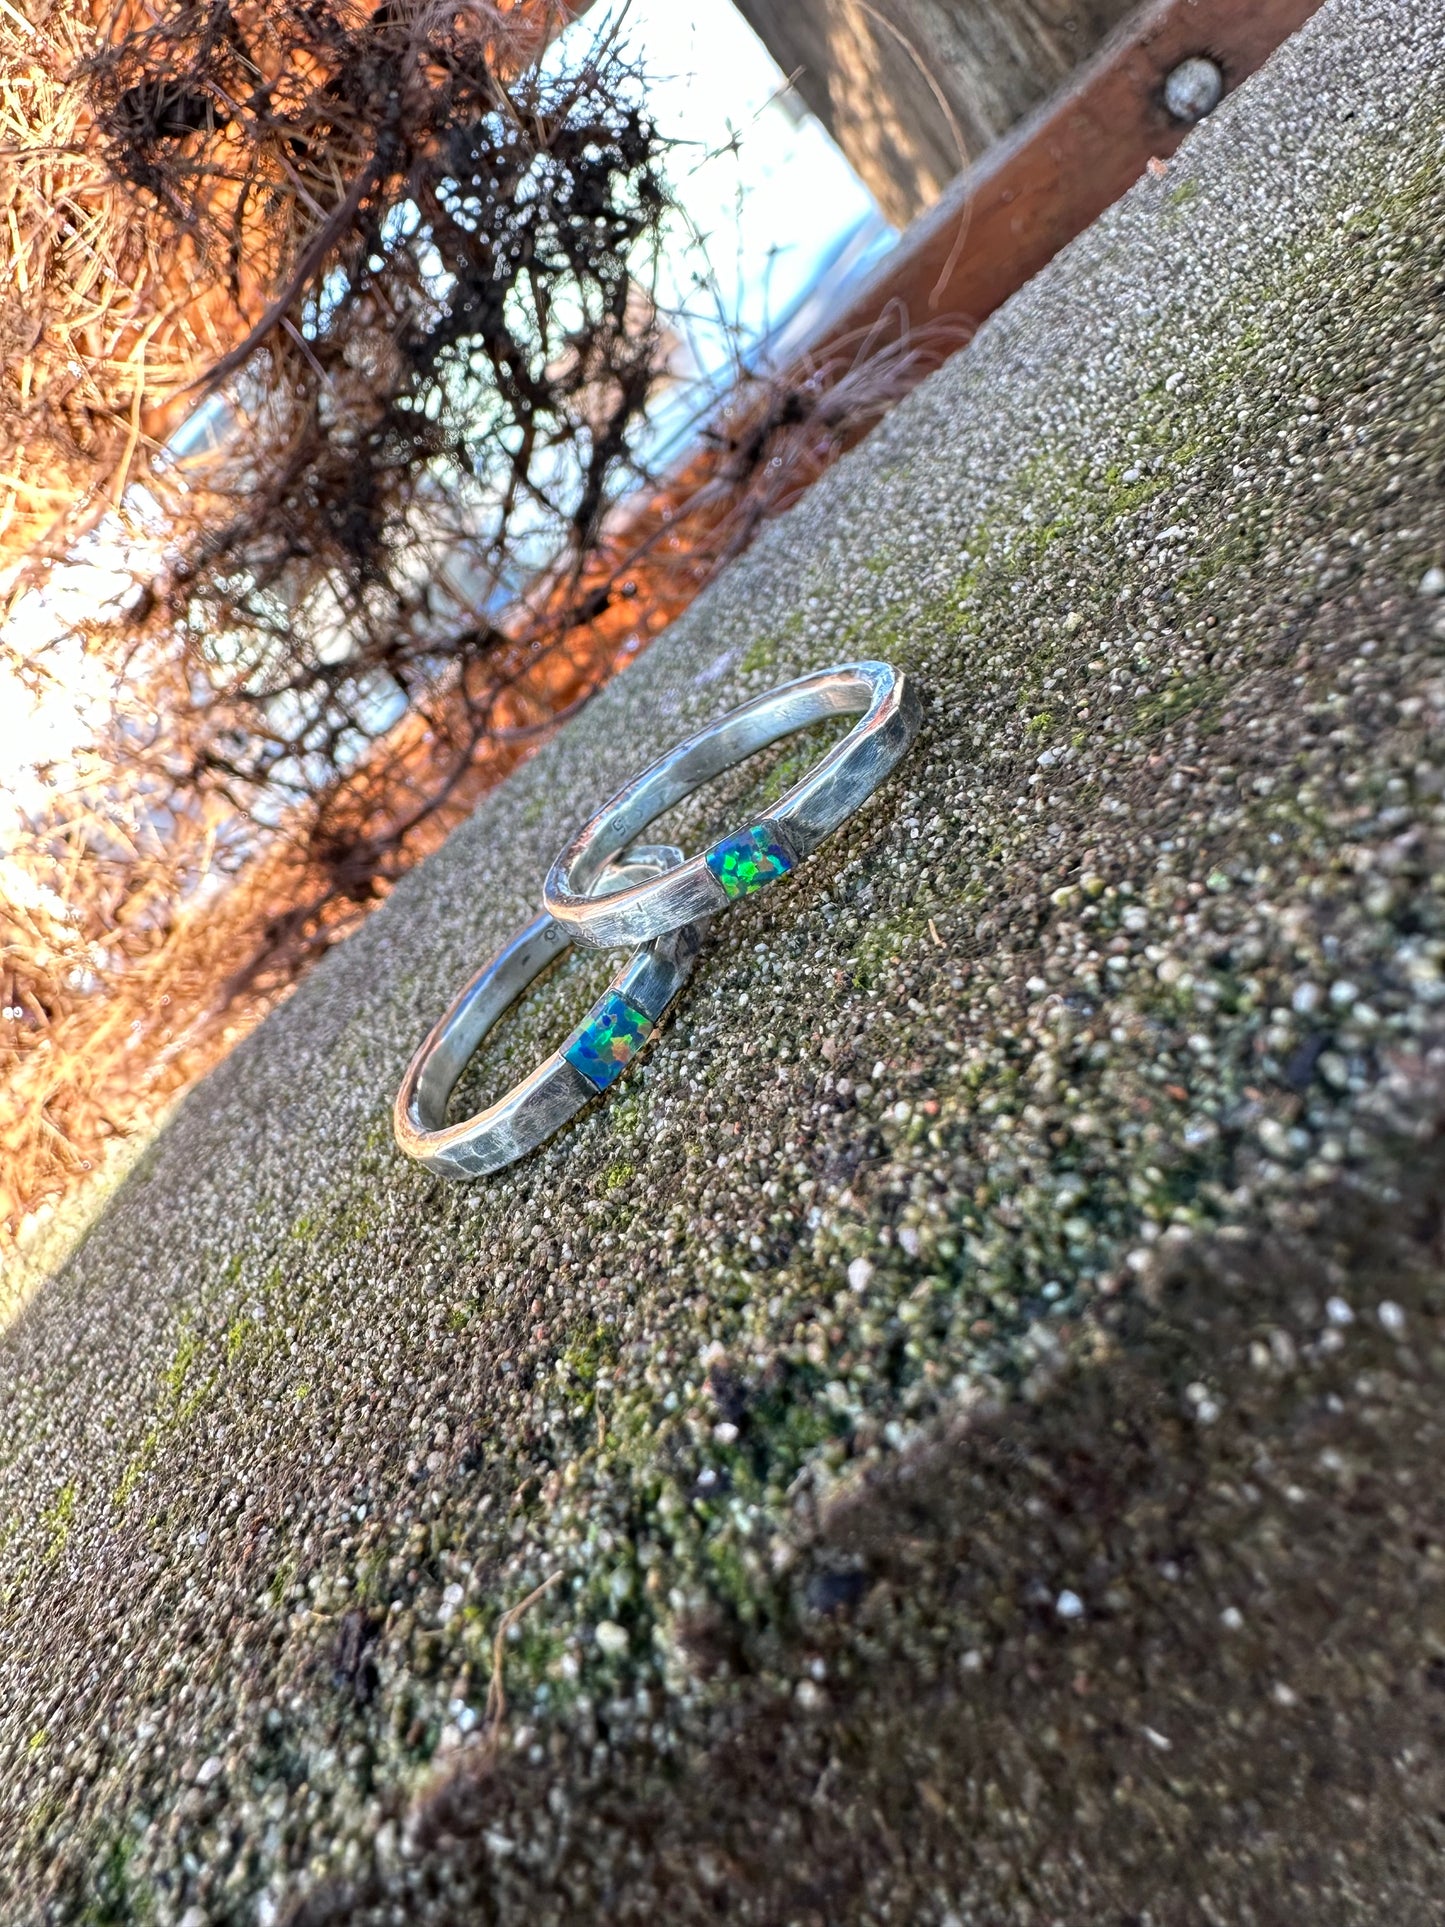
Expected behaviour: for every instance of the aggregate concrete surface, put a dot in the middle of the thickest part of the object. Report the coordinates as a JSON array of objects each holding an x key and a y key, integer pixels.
[{"x": 972, "y": 1393}]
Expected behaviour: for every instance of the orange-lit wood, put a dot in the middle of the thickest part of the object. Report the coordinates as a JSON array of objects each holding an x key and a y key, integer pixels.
[{"x": 1008, "y": 216}]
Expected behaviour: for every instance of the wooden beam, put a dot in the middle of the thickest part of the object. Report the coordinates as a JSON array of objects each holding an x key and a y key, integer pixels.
[
  {"x": 997, "y": 225},
  {"x": 912, "y": 90}
]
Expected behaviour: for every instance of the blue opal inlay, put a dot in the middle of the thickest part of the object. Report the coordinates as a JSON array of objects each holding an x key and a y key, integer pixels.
[
  {"x": 749, "y": 860},
  {"x": 607, "y": 1039}
]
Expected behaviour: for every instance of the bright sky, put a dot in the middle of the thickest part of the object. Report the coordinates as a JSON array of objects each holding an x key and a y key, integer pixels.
[
  {"x": 785, "y": 222},
  {"x": 781, "y": 214}
]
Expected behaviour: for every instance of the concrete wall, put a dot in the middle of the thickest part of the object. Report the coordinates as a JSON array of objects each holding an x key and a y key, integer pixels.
[{"x": 979, "y": 1379}]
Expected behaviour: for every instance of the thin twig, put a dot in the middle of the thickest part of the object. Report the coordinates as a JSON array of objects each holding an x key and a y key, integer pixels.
[{"x": 496, "y": 1689}]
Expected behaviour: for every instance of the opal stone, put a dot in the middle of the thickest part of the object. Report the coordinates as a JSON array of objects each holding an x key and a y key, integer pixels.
[
  {"x": 607, "y": 1040},
  {"x": 747, "y": 861}
]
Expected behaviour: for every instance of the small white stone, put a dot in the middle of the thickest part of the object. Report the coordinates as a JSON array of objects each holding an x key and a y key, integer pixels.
[
  {"x": 1343, "y": 993},
  {"x": 611, "y": 1637},
  {"x": 1432, "y": 583},
  {"x": 1305, "y": 999},
  {"x": 213, "y": 1768},
  {"x": 1391, "y": 1316},
  {"x": 908, "y": 1238},
  {"x": 1068, "y": 1605},
  {"x": 725, "y": 1433},
  {"x": 1338, "y": 1312},
  {"x": 860, "y": 1272},
  {"x": 1155, "y": 1739},
  {"x": 1334, "y": 1070},
  {"x": 1232, "y": 1619},
  {"x": 809, "y": 1696}
]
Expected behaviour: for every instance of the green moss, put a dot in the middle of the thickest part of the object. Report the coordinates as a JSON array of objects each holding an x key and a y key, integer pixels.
[
  {"x": 57, "y": 1521},
  {"x": 239, "y": 1334},
  {"x": 370, "y": 1576},
  {"x": 589, "y": 1353},
  {"x": 116, "y": 1897},
  {"x": 617, "y": 1175},
  {"x": 888, "y": 941},
  {"x": 356, "y": 1218},
  {"x": 765, "y": 651},
  {"x": 136, "y": 1467},
  {"x": 1198, "y": 696},
  {"x": 282, "y": 1580},
  {"x": 183, "y": 1389},
  {"x": 532, "y": 1650}
]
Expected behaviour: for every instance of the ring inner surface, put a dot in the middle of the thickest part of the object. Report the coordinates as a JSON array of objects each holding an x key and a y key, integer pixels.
[{"x": 519, "y": 1027}]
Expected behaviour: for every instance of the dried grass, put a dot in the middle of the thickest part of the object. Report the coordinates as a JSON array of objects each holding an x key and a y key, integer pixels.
[{"x": 170, "y": 176}]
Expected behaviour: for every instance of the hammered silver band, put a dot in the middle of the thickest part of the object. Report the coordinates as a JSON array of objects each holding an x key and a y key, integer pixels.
[
  {"x": 590, "y": 1059},
  {"x": 746, "y": 860}
]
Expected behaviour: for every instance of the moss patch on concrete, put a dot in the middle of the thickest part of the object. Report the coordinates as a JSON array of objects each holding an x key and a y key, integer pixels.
[{"x": 910, "y": 1370}]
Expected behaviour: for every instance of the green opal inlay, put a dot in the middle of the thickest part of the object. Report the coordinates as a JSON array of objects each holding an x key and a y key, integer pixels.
[
  {"x": 749, "y": 860},
  {"x": 607, "y": 1040}
]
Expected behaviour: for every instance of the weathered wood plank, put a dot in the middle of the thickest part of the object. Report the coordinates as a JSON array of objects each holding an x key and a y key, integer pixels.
[
  {"x": 1043, "y": 184},
  {"x": 912, "y": 90}
]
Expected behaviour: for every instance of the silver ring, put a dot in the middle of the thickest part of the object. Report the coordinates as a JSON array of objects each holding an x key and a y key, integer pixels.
[
  {"x": 759, "y": 853},
  {"x": 593, "y": 1056}
]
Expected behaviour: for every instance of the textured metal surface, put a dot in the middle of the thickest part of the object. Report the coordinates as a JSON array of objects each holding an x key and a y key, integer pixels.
[
  {"x": 555, "y": 1091},
  {"x": 842, "y": 779}
]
